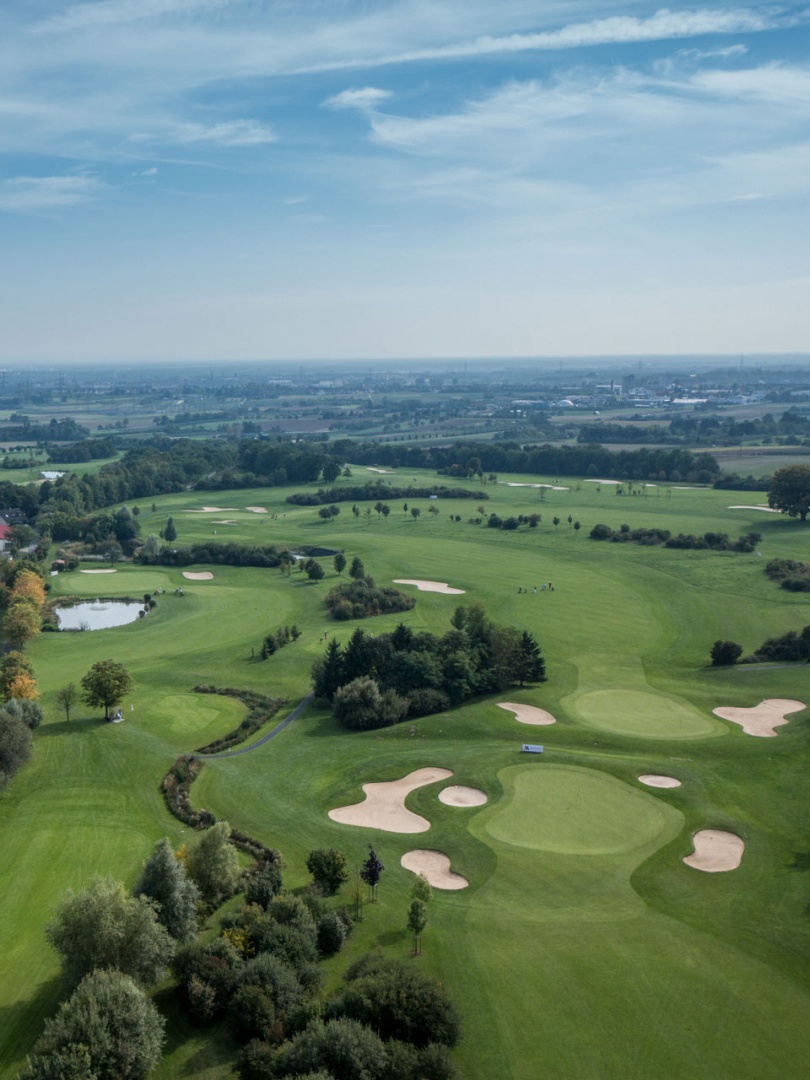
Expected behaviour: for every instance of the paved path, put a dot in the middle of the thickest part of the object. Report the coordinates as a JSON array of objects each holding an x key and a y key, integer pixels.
[{"x": 299, "y": 708}]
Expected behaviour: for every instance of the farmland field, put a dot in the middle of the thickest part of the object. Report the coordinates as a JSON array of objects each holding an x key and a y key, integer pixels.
[{"x": 583, "y": 947}]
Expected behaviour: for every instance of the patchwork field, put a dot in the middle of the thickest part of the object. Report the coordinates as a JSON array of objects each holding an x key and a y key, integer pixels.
[{"x": 583, "y": 947}]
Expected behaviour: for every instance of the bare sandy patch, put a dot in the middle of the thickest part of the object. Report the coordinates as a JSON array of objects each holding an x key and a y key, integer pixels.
[
  {"x": 744, "y": 506},
  {"x": 657, "y": 780},
  {"x": 108, "y": 571},
  {"x": 430, "y": 586},
  {"x": 202, "y": 575},
  {"x": 435, "y": 866},
  {"x": 528, "y": 714},
  {"x": 371, "y": 468},
  {"x": 214, "y": 510},
  {"x": 257, "y": 509},
  {"x": 384, "y": 806},
  {"x": 715, "y": 851},
  {"x": 762, "y": 719},
  {"x": 589, "y": 481},
  {"x": 459, "y": 795},
  {"x": 223, "y": 521}
]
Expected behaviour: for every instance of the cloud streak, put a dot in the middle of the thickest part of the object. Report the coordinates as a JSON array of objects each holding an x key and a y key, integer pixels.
[
  {"x": 29, "y": 194},
  {"x": 664, "y": 25}
]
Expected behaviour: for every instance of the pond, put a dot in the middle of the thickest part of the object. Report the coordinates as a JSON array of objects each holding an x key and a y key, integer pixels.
[{"x": 99, "y": 614}]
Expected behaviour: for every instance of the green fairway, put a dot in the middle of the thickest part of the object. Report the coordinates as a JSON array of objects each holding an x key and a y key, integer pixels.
[{"x": 583, "y": 949}]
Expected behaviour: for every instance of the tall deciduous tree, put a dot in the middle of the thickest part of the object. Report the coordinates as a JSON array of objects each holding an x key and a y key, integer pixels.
[
  {"x": 15, "y": 745},
  {"x": 214, "y": 864},
  {"x": 102, "y": 927},
  {"x": 107, "y": 1030},
  {"x": 22, "y": 621},
  {"x": 790, "y": 491},
  {"x": 106, "y": 685},
  {"x": 12, "y": 666},
  {"x": 417, "y": 921},
  {"x": 340, "y": 562},
  {"x": 165, "y": 881}
]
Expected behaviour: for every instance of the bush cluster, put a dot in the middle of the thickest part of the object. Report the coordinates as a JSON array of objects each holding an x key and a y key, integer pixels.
[
  {"x": 260, "y": 710},
  {"x": 790, "y": 573},
  {"x": 711, "y": 541},
  {"x": 176, "y": 788},
  {"x": 788, "y": 648},
  {"x": 362, "y": 598}
]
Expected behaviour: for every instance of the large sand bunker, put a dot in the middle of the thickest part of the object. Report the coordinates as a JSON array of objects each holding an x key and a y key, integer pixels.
[
  {"x": 436, "y": 868},
  {"x": 656, "y": 780},
  {"x": 371, "y": 468},
  {"x": 384, "y": 806},
  {"x": 429, "y": 586},
  {"x": 108, "y": 571},
  {"x": 459, "y": 795},
  {"x": 202, "y": 575},
  {"x": 528, "y": 714},
  {"x": 257, "y": 509},
  {"x": 214, "y": 510},
  {"x": 715, "y": 851},
  {"x": 590, "y": 481},
  {"x": 762, "y": 719},
  {"x": 743, "y": 506}
]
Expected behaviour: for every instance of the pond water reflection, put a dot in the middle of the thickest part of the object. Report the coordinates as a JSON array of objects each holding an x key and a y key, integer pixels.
[{"x": 99, "y": 614}]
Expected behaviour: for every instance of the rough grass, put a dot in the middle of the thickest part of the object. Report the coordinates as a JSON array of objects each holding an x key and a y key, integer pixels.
[{"x": 583, "y": 946}]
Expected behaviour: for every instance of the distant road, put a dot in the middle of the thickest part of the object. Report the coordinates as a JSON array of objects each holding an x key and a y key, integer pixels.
[{"x": 299, "y": 708}]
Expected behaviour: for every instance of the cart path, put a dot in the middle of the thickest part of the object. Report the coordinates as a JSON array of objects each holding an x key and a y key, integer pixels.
[{"x": 299, "y": 708}]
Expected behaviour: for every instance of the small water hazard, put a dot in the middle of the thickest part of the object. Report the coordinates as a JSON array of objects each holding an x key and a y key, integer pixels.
[{"x": 99, "y": 614}]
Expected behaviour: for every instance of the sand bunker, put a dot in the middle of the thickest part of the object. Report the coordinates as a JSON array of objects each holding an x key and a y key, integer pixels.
[
  {"x": 715, "y": 851},
  {"x": 551, "y": 487},
  {"x": 203, "y": 575},
  {"x": 109, "y": 571},
  {"x": 384, "y": 806},
  {"x": 436, "y": 868},
  {"x": 214, "y": 510},
  {"x": 762, "y": 719},
  {"x": 743, "y": 506},
  {"x": 257, "y": 509},
  {"x": 603, "y": 481},
  {"x": 429, "y": 586},
  {"x": 458, "y": 795},
  {"x": 223, "y": 521},
  {"x": 371, "y": 468},
  {"x": 656, "y": 780},
  {"x": 528, "y": 714}
]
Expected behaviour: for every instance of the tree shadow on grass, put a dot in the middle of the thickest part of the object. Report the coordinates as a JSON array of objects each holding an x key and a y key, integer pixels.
[
  {"x": 801, "y": 861},
  {"x": 219, "y": 1048},
  {"x": 23, "y": 1019},
  {"x": 69, "y": 727}
]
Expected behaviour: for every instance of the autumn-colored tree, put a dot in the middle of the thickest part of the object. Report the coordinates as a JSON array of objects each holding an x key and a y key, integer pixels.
[
  {"x": 23, "y": 686},
  {"x": 22, "y": 622},
  {"x": 12, "y": 666},
  {"x": 30, "y": 585}
]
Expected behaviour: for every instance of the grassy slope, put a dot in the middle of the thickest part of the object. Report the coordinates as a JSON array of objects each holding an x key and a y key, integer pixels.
[{"x": 565, "y": 964}]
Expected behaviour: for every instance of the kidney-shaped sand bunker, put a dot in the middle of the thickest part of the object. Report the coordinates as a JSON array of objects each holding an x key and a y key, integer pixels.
[
  {"x": 435, "y": 865},
  {"x": 384, "y": 806},
  {"x": 715, "y": 851}
]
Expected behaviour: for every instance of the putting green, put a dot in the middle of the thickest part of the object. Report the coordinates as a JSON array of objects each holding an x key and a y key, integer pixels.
[
  {"x": 651, "y": 716},
  {"x": 566, "y": 809},
  {"x": 194, "y": 713}
]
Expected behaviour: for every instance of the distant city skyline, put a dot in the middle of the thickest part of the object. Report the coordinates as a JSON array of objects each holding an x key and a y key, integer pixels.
[{"x": 214, "y": 180}]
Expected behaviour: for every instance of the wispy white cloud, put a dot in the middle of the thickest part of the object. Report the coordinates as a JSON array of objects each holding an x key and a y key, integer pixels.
[
  {"x": 369, "y": 97},
  {"x": 775, "y": 83},
  {"x": 664, "y": 25},
  {"x": 234, "y": 133},
  {"x": 23, "y": 194},
  {"x": 115, "y": 12}
]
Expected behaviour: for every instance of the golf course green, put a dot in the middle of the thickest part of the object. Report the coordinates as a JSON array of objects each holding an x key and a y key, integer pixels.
[{"x": 583, "y": 948}]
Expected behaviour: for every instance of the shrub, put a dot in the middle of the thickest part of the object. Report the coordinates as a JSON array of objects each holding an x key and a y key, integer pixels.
[{"x": 725, "y": 653}]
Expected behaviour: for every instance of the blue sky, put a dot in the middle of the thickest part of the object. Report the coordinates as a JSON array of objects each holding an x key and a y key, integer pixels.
[{"x": 248, "y": 179}]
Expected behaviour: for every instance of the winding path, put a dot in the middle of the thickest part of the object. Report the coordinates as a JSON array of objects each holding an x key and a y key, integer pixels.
[{"x": 299, "y": 708}]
